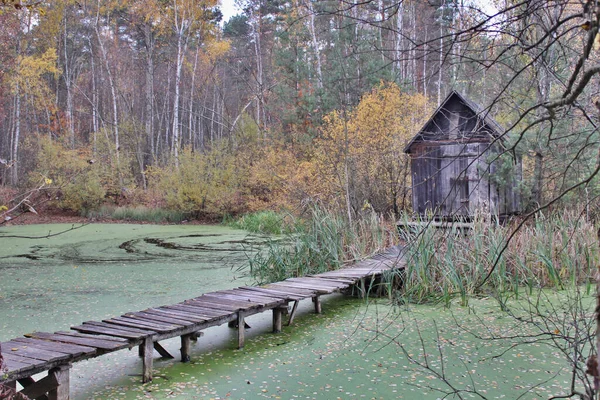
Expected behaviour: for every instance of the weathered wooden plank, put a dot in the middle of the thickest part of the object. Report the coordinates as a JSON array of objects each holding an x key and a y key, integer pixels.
[
  {"x": 123, "y": 328},
  {"x": 275, "y": 293},
  {"x": 336, "y": 279},
  {"x": 110, "y": 330},
  {"x": 29, "y": 362},
  {"x": 95, "y": 337},
  {"x": 212, "y": 304},
  {"x": 225, "y": 299},
  {"x": 208, "y": 313},
  {"x": 128, "y": 322},
  {"x": 367, "y": 270},
  {"x": 25, "y": 350},
  {"x": 59, "y": 340},
  {"x": 305, "y": 292},
  {"x": 319, "y": 282},
  {"x": 242, "y": 295},
  {"x": 320, "y": 290},
  {"x": 165, "y": 319},
  {"x": 60, "y": 343},
  {"x": 252, "y": 296},
  {"x": 176, "y": 314},
  {"x": 15, "y": 364}
]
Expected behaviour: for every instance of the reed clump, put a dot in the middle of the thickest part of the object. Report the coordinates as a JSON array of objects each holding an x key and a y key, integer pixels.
[
  {"x": 139, "y": 214},
  {"x": 265, "y": 222},
  {"x": 322, "y": 242},
  {"x": 550, "y": 251}
]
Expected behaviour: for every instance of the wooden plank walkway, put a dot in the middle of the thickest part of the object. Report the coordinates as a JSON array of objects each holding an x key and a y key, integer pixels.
[{"x": 55, "y": 352}]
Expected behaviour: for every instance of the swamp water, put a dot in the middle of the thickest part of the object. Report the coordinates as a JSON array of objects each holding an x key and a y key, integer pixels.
[{"x": 353, "y": 350}]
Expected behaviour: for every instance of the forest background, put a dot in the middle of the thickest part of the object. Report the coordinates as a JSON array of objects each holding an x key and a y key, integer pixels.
[{"x": 163, "y": 104}]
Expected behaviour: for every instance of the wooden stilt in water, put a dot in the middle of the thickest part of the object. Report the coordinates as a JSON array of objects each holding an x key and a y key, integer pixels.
[
  {"x": 277, "y": 317},
  {"x": 317, "y": 301},
  {"x": 293, "y": 314},
  {"x": 61, "y": 376},
  {"x": 241, "y": 329},
  {"x": 185, "y": 347},
  {"x": 362, "y": 288},
  {"x": 147, "y": 364},
  {"x": 162, "y": 351}
]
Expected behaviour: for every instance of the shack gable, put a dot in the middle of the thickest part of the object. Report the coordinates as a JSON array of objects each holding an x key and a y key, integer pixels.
[{"x": 457, "y": 120}]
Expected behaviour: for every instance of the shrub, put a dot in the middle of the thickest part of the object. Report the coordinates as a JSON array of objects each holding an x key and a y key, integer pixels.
[
  {"x": 75, "y": 180},
  {"x": 202, "y": 184}
]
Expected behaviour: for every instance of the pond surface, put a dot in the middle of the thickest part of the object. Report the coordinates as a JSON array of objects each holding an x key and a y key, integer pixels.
[{"x": 354, "y": 350}]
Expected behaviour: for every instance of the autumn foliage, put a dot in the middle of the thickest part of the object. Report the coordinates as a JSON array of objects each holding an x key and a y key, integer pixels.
[{"x": 359, "y": 159}]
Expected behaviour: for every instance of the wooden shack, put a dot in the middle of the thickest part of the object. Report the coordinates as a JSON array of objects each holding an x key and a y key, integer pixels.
[{"x": 460, "y": 164}]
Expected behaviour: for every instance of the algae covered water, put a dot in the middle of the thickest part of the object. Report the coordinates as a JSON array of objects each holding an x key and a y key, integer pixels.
[
  {"x": 356, "y": 349},
  {"x": 102, "y": 270}
]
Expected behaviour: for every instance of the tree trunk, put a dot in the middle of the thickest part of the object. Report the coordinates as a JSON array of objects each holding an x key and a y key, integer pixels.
[
  {"x": 181, "y": 48},
  {"x": 149, "y": 93},
  {"x": 16, "y": 137},
  {"x": 113, "y": 92},
  {"x": 315, "y": 44},
  {"x": 191, "y": 130}
]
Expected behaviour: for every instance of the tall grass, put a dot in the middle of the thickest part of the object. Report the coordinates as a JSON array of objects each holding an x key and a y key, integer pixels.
[
  {"x": 550, "y": 251},
  {"x": 267, "y": 222},
  {"x": 326, "y": 241},
  {"x": 139, "y": 214}
]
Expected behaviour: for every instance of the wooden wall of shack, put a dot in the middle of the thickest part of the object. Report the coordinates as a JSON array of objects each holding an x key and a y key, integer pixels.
[{"x": 454, "y": 160}]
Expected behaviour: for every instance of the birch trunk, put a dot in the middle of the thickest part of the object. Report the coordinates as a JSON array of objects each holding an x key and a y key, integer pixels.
[
  {"x": 181, "y": 48},
  {"x": 315, "y": 44},
  {"x": 113, "y": 92},
  {"x": 149, "y": 92},
  {"x": 68, "y": 83},
  {"x": 191, "y": 130},
  {"x": 398, "y": 45},
  {"x": 16, "y": 137}
]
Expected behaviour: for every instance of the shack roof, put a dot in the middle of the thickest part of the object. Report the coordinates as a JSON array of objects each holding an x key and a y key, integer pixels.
[{"x": 483, "y": 116}]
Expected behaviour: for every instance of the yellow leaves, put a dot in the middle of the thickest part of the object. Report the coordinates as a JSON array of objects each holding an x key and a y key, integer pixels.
[
  {"x": 216, "y": 49},
  {"x": 3, "y": 208},
  {"x": 47, "y": 181},
  {"x": 363, "y": 149},
  {"x": 30, "y": 74}
]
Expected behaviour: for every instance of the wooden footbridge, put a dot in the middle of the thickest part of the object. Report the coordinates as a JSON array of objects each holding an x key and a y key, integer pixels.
[{"x": 55, "y": 352}]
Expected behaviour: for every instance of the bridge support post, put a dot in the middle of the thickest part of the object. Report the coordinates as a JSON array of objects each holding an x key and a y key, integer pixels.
[
  {"x": 241, "y": 329},
  {"x": 147, "y": 360},
  {"x": 277, "y": 317},
  {"x": 61, "y": 375},
  {"x": 185, "y": 347},
  {"x": 317, "y": 301}
]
